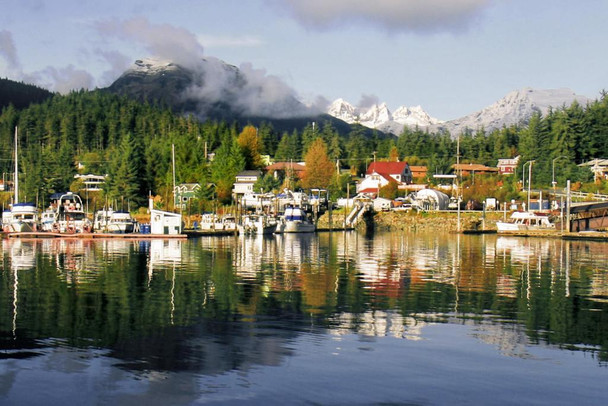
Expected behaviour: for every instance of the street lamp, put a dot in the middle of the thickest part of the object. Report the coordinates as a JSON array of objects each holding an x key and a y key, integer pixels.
[{"x": 553, "y": 182}]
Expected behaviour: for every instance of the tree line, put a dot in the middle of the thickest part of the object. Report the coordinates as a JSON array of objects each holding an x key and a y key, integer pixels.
[{"x": 100, "y": 133}]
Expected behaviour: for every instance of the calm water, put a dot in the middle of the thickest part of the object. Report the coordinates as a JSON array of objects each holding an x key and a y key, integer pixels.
[{"x": 417, "y": 319}]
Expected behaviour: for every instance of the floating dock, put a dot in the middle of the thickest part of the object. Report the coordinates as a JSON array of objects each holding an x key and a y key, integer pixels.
[{"x": 134, "y": 236}]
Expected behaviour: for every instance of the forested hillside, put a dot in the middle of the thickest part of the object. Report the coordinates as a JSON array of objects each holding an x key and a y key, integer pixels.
[
  {"x": 20, "y": 94},
  {"x": 131, "y": 142}
]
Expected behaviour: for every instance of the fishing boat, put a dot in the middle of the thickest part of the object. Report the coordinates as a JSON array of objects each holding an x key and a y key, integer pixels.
[
  {"x": 69, "y": 215},
  {"x": 296, "y": 220},
  {"x": 257, "y": 224},
  {"x": 108, "y": 220},
  {"x": 525, "y": 221}
]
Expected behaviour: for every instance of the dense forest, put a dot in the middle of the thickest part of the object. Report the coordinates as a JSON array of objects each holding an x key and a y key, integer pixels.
[{"x": 96, "y": 132}]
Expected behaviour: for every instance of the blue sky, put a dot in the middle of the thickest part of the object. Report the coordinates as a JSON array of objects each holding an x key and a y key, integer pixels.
[{"x": 452, "y": 57}]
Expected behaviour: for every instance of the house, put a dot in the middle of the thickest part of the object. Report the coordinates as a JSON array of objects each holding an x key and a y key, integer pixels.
[
  {"x": 283, "y": 169},
  {"x": 244, "y": 183},
  {"x": 183, "y": 193},
  {"x": 379, "y": 174},
  {"x": 599, "y": 167},
  {"x": 507, "y": 166},
  {"x": 471, "y": 169},
  {"x": 418, "y": 173},
  {"x": 92, "y": 183}
]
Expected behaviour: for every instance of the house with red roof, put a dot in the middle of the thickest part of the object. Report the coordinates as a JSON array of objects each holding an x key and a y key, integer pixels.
[{"x": 379, "y": 174}]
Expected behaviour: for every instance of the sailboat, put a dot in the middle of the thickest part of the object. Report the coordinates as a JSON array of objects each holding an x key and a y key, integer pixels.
[{"x": 22, "y": 217}]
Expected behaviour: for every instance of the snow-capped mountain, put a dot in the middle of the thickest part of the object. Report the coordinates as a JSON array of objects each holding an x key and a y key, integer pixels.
[
  {"x": 380, "y": 117},
  {"x": 515, "y": 108},
  {"x": 209, "y": 87}
]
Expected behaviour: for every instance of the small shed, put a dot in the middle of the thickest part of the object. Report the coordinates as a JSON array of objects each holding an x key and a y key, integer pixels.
[{"x": 164, "y": 222}]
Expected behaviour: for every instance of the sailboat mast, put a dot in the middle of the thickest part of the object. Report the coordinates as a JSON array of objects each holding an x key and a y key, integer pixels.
[
  {"x": 16, "y": 180},
  {"x": 173, "y": 159}
]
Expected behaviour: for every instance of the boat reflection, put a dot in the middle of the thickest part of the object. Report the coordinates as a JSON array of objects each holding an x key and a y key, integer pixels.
[{"x": 215, "y": 303}]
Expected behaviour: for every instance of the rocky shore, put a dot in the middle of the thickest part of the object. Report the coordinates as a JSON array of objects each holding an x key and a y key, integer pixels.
[{"x": 415, "y": 221}]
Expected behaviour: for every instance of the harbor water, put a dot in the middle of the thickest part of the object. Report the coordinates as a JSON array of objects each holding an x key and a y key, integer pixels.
[{"x": 337, "y": 318}]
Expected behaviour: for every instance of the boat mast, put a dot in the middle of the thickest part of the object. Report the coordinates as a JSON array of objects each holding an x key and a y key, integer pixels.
[
  {"x": 16, "y": 180},
  {"x": 173, "y": 165}
]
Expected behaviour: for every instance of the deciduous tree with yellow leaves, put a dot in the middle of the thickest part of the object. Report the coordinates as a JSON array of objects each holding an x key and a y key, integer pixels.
[
  {"x": 319, "y": 169},
  {"x": 250, "y": 145}
]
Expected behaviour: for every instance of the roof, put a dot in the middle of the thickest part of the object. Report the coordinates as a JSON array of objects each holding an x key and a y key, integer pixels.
[
  {"x": 187, "y": 187},
  {"x": 390, "y": 168},
  {"x": 249, "y": 173},
  {"x": 596, "y": 162},
  {"x": 281, "y": 166},
  {"x": 474, "y": 168}
]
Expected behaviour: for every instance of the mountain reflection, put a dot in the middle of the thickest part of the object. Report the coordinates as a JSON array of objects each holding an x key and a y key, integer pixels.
[{"x": 215, "y": 304}]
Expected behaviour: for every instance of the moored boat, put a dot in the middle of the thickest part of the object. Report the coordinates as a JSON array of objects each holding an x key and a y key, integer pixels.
[
  {"x": 23, "y": 218},
  {"x": 69, "y": 214},
  {"x": 257, "y": 224},
  {"x": 525, "y": 221},
  {"x": 296, "y": 220},
  {"x": 111, "y": 221}
]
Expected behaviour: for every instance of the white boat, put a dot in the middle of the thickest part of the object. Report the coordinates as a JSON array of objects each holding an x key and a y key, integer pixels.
[
  {"x": 69, "y": 214},
  {"x": 23, "y": 218},
  {"x": 523, "y": 221},
  {"x": 257, "y": 224},
  {"x": 47, "y": 219},
  {"x": 213, "y": 222},
  {"x": 296, "y": 220},
  {"x": 110, "y": 221}
]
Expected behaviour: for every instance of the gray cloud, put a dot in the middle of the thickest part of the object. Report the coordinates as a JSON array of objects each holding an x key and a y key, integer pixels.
[
  {"x": 421, "y": 16},
  {"x": 8, "y": 52},
  {"x": 368, "y": 100}
]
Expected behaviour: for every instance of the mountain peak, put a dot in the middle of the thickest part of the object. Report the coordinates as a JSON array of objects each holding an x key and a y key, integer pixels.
[
  {"x": 379, "y": 116},
  {"x": 515, "y": 108}
]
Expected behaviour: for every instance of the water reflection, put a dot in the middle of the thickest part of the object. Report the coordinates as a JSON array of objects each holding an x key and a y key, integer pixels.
[{"x": 213, "y": 305}]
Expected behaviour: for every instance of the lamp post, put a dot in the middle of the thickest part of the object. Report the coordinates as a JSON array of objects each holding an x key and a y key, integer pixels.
[{"x": 553, "y": 182}]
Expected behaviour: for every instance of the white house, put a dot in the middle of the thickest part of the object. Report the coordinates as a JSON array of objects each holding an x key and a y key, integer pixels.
[
  {"x": 379, "y": 174},
  {"x": 244, "y": 183},
  {"x": 92, "y": 183},
  {"x": 599, "y": 167},
  {"x": 506, "y": 166}
]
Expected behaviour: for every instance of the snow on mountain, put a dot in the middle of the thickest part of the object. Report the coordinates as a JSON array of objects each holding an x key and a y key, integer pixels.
[
  {"x": 344, "y": 111},
  {"x": 375, "y": 116},
  {"x": 379, "y": 116},
  {"x": 515, "y": 108}
]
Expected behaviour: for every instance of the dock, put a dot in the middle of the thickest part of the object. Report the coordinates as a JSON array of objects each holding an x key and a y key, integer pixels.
[{"x": 133, "y": 236}]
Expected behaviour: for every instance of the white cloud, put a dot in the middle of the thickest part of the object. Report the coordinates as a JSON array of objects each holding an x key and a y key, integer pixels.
[
  {"x": 211, "y": 41},
  {"x": 62, "y": 80},
  {"x": 162, "y": 41},
  {"x": 390, "y": 15}
]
